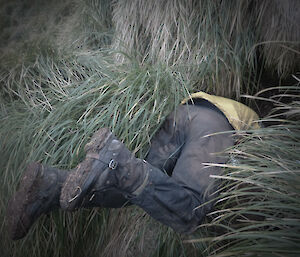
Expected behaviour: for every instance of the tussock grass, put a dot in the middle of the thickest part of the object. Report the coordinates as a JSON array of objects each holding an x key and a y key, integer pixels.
[
  {"x": 218, "y": 42},
  {"x": 278, "y": 33},
  {"x": 63, "y": 80},
  {"x": 210, "y": 40}
]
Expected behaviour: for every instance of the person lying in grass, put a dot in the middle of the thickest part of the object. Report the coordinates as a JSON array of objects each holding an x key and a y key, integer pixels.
[{"x": 173, "y": 184}]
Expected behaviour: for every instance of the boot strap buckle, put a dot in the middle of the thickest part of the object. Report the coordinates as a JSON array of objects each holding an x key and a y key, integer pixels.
[{"x": 113, "y": 164}]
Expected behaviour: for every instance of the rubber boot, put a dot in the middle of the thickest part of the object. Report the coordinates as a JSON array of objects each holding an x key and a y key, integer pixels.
[
  {"x": 38, "y": 193},
  {"x": 108, "y": 165}
]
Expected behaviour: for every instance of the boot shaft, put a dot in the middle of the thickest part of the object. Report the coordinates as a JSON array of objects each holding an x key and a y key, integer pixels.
[{"x": 109, "y": 165}]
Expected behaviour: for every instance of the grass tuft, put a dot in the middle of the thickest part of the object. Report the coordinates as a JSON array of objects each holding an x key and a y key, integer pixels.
[{"x": 68, "y": 69}]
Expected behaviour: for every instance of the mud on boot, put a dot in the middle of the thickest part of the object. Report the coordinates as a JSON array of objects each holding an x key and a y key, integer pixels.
[
  {"x": 108, "y": 164},
  {"x": 38, "y": 193}
]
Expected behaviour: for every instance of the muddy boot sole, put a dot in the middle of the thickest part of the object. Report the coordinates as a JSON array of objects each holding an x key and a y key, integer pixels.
[
  {"x": 79, "y": 181},
  {"x": 19, "y": 219}
]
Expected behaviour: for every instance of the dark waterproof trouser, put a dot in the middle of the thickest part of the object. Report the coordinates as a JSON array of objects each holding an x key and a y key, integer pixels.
[{"x": 180, "y": 191}]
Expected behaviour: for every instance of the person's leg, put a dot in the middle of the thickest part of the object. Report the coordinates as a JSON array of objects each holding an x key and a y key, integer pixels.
[
  {"x": 39, "y": 193},
  {"x": 171, "y": 200},
  {"x": 40, "y": 185},
  {"x": 182, "y": 200},
  {"x": 167, "y": 143}
]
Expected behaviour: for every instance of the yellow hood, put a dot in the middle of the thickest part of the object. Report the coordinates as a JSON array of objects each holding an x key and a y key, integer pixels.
[{"x": 239, "y": 115}]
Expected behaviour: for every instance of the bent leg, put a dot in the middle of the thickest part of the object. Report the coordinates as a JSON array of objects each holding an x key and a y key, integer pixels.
[
  {"x": 166, "y": 146},
  {"x": 175, "y": 201},
  {"x": 167, "y": 143},
  {"x": 39, "y": 193},
  {"x": 179, "y": 201}
]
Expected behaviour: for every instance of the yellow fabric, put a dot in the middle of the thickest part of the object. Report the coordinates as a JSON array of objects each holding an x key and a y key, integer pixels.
[{"x": 239, "y": 115}]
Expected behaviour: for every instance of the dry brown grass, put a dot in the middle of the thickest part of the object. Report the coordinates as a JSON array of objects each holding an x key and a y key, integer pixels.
[
  {"x": 278, "y": 31},
  {"x": 226, "y": 37}
]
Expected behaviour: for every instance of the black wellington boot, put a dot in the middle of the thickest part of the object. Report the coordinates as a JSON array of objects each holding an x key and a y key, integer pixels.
[
  {"x": 38, "y": 193},
  {"x": 108, "y": 165}
]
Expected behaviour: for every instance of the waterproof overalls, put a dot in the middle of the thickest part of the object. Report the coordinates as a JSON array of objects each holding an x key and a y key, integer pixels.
[{"x": 180, "y": 189}]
